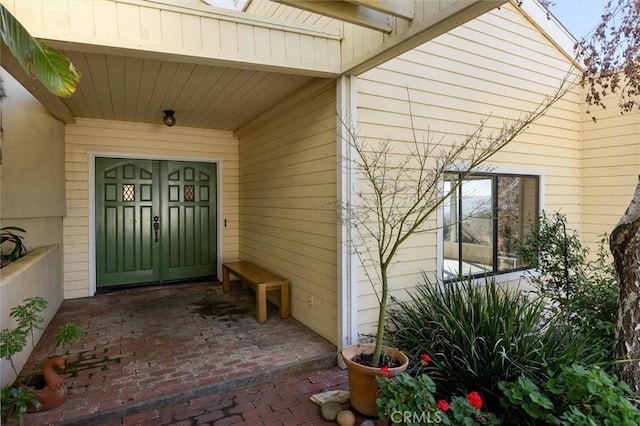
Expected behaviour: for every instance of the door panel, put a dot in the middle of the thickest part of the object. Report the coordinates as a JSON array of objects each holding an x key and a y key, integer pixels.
[
  {"x": 130, "y": 194},
  {"x": 189, "y": 209},
  {"x": 125, "y": 251}
]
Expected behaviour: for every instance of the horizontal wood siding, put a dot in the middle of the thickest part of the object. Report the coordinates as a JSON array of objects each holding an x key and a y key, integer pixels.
[
  {"x": 611, "y": 165},
  {"x": 287, "y": 187},
  {"x": 497, "y": 65},
  {"x": 205, "y": 34},
  {"x": 361, "y": 44},
  {"x": 144, "y": 140}
]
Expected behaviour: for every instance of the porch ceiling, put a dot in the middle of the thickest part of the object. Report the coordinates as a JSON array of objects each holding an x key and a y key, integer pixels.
[
  {"x": 137, "y": 89},
  {"x": 217, "y": 69}
]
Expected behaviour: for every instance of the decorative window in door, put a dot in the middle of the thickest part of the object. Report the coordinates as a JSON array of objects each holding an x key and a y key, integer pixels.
[
  {"x": 189, "y": 193},
  {"x": 128, "y": 192}
]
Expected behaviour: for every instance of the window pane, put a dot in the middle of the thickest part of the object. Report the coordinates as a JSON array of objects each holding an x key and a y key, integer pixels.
[
  {"x": 517, "y": 212},
  {"x": 450, "y": 231},
  {"x": 477, "y": 225}
]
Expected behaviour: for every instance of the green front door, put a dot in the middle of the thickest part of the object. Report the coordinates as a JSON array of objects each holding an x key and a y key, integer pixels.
[{"x": 155, "y": 221}]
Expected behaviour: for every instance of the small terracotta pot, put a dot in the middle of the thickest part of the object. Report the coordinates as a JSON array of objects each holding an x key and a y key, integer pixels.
[
  {"x": 54, "y": 392},
  {"x": 363, "y": 388}
]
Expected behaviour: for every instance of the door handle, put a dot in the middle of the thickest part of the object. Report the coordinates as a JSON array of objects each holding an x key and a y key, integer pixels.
[{"x": 156, "y": 226}]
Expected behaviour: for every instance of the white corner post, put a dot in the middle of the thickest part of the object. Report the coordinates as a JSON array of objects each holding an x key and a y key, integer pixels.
[{"x": 346, "y": 103}]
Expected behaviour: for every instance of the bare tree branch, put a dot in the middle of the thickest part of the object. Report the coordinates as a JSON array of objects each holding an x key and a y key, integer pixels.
[{"x": 401, "y": 190}]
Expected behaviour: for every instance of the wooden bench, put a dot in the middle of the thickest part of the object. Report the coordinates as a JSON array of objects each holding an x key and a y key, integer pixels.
[{"x": 261, "y": 281}]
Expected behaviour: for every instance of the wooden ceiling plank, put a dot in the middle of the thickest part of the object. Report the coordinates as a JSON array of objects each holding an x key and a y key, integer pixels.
[
  {"x": 98, "y": 68},
  {"x": 148, "y": 80},
  {"x": 223, "y": 99},
  {"x": 401, "y": 9},
  {"x": 246, "y": 94},
  {"x": 199, "y": 98},
  {"x": 213, "y": 96},
  {"x": 116, "y": 74},
  {"x": 191, "y": 88},
  {"x": 155, "y": 107},
  {"x": 280, "y": 88},
  {"x": 177, "y": 85},
  {"x": 204, "y": 96},
  {"x": 79, "y": 103},
  {"x": 132, "y": 85},
  {"x": 345, "y": 11}
]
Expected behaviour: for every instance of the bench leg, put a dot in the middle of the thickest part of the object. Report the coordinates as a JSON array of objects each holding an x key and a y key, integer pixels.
[
  {"x": 261, "y": 303},
  {"x": 226, "y": 286},
  {"x": 284, "y": 299}
]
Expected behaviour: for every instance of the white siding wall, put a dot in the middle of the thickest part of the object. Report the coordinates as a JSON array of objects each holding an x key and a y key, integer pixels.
[
  {"x": 611, "y": 165},
  {"x": 144, "y": 140},
  {"x": 287, "y": 189},
  {"x": 498, "y": 65}
]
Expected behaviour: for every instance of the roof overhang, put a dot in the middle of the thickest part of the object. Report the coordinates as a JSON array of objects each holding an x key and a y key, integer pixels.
[{"x": 218, "y": 68}]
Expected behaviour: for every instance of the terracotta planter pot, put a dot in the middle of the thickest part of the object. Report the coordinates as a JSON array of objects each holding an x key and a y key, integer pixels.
[
  {"x": 54, "y": 392},
  {"x": 363, "y": 389}
]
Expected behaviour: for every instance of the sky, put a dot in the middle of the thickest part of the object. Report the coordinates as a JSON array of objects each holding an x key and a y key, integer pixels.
[{"x": 579, "y": 16}]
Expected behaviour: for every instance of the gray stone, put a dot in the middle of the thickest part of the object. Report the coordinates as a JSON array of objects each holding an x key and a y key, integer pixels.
[
  {"x": 330, "y": 410},
  {"x": 339, "y": 396},
  {"x": 368, "y": 423}
]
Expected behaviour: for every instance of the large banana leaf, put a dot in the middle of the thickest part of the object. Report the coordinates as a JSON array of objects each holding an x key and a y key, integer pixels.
[{"x": 54, "y": 70}]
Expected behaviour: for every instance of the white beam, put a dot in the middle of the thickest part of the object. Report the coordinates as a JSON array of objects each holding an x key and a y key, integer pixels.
[
  {"x": 418, "y": 32},
  {"x": 400, "y": 8},
  {"x": 344, "y": 11}
]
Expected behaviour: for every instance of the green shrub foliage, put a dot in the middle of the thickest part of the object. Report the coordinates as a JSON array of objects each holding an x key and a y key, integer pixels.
[
  {"x": 479, "y": 335},
  {"x": 410, "y": 401},
  {"x": 583, "y": 294},
  {"x": 578, "y": 395}
]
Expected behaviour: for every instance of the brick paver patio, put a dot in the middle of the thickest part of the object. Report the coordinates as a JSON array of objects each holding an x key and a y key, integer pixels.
[{"x": 187, "y": 354}]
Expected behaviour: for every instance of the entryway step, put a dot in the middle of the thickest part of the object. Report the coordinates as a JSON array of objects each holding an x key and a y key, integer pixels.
[{"x": 274, "y": 374}]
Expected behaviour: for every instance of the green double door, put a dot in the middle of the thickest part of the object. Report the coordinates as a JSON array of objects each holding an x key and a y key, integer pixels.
[{"x": 155, "y": 221}]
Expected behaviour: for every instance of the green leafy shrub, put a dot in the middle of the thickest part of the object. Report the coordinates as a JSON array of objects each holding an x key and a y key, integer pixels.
[
  {"x": 408, "y": 398},
  {"x": 479, "y": 335},
  {"x": 410, "y": 401},
  {"x": 15, "y": 399},
  {"x": 583, "y": 294},
  {"x": 577, "y": 396}
]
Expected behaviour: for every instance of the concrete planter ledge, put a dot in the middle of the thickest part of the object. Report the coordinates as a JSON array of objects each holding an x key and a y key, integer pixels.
[{"x": 39, "y": 273}]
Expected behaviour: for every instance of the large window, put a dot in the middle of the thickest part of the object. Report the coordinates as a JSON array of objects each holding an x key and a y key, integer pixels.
[{"x": 485, "y": 221}]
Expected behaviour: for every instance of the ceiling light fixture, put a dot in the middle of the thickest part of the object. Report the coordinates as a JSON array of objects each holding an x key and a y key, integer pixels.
[{"x": 169, "y": 119}]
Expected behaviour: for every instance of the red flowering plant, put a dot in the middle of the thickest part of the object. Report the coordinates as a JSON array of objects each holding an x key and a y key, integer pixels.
[{"x": 410, "y": 400}]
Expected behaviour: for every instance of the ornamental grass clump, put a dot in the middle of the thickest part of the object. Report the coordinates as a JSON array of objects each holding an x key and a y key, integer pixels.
[{"x": 479, "y": 335}]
